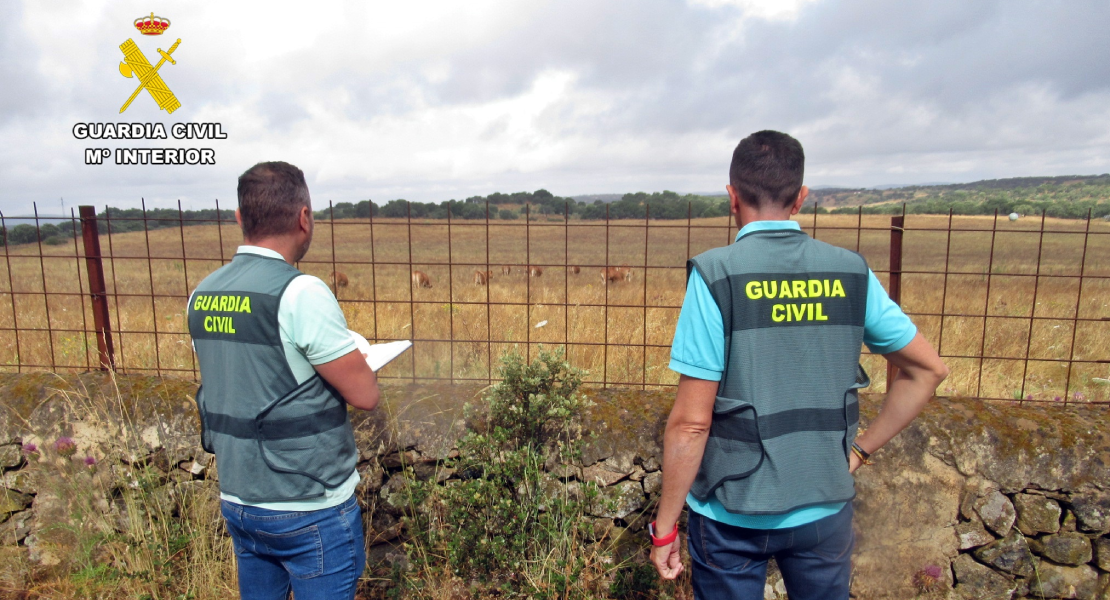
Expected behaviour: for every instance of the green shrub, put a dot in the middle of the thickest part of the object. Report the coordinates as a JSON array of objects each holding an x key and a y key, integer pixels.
[{"x": 505, "y": 523}]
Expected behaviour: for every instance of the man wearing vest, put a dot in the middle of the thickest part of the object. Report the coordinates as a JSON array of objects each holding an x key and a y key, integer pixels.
[
  {"x": 762, "y": 440},
  {"x": 278, "y": 370}
]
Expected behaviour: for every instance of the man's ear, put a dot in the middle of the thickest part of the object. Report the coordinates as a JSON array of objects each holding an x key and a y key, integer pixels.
[
  {"x": 305, "y": 220},
  {"x": 238, "y": 218},
  {"x": 733, "y": 200},
  {"x": 797, "y": 206}
]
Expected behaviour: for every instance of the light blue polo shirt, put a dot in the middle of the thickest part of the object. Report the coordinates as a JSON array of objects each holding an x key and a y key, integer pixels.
[{"x": 699, "y": 351}]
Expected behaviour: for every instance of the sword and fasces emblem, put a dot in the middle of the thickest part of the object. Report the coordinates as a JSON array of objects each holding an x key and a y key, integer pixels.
[{"x": 137, "y": 65}]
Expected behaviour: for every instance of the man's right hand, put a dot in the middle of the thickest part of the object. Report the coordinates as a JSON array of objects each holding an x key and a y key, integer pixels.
[{"x": 667, "y": 559}]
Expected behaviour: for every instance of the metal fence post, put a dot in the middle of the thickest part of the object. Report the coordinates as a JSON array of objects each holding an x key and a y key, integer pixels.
[
  {"x": 95, "y": 268},
  {"x": 897, "y": 228}
]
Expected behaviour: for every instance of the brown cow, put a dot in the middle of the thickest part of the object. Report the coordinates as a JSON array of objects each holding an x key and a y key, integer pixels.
[
  {"x": 574, "y": 269},
  {"x": 482, "y": 277},
  {"x": 506, "y": 270},
  {"x": 615, "y": 274},
  {"x": 338, "y": 279},
  {"x": 535, "y": 271},
  {"x": 421, "y": 279}
]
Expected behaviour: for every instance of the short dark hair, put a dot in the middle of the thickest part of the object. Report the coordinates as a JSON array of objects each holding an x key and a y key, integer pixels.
[
  {"x": 271, "y": 195},
  {"x": 767, "y": 168}
]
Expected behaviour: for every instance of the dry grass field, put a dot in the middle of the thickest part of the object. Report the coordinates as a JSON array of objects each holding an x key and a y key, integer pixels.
[{"x": 993, "y": 304}]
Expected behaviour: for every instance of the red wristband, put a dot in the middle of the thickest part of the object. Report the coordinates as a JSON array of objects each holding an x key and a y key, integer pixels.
[{"x": 662, "y": 541}]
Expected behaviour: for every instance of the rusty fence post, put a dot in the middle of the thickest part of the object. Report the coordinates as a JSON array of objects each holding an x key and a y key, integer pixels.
[
  {"x": 897, "y": 229},
  {"x": 95, "y": 268}
]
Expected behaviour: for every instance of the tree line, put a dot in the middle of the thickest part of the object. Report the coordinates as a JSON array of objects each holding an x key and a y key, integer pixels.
[
  {"x": 658, "y": 205},
  {"x": 114, "y": 220},
  {"x": 1062, "y": 197}
]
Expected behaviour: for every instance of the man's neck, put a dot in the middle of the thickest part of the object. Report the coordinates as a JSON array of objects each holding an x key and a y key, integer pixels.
[
  {"x": 751, "y": 216},
  {"x": 283, "y": 246}
]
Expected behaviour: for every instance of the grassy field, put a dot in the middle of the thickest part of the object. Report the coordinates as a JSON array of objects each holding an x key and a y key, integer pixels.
[{"x": 621, "y": 332}]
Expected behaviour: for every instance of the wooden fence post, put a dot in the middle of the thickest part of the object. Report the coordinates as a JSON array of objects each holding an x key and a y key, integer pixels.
[
  {"x": 897, "y": 228},
  {"x": 94, "y": 266}
]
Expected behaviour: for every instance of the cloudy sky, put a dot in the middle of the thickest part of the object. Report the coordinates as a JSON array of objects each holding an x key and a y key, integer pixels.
[{"x": 433, "y": 100}]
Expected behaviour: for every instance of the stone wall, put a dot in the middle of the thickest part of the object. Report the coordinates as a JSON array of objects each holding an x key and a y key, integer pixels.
[{"x": 974, "y": 500}]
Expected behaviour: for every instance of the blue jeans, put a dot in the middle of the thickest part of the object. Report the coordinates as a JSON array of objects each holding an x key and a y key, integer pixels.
[
  {"x": 731, "y": 562},
  {"x": 320, "y": 554}
]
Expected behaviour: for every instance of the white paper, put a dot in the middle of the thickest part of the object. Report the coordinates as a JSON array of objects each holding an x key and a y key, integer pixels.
[{"x": 379, "y": 355}]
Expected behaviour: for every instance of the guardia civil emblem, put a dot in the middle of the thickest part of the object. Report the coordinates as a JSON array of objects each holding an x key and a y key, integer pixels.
[{"x": 136, "y": 65}]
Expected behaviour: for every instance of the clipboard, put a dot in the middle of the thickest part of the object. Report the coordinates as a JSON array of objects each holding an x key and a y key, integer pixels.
[{"x": 379, "y": 355}]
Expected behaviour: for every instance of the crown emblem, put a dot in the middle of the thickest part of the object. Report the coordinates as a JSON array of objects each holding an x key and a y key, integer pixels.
[{"x": 152, "y": 25}]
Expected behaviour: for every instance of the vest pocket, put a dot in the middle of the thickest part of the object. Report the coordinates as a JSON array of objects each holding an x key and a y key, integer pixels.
[
  {"x": 205, "y": 440},
  {"x": 734, "y": 449},
  {"x": 851, "y": 407}
]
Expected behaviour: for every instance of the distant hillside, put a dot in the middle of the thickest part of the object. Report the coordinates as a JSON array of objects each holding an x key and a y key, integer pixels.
[
  {"x": 591, "y": 198},
  {"x": 1068, "y": 196}
]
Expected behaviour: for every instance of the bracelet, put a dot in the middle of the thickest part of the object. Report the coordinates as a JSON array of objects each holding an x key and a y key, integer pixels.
[
  {"x": 662, "y": 541},
  {"x": 862, "y": 454}
]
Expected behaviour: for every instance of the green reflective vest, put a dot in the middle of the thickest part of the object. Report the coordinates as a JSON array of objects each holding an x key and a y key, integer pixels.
[
  {"x": 274, "y": 439},
  {"x": 786, "y": 410}
]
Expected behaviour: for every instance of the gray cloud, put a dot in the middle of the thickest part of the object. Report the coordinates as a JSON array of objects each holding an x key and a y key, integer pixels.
[{"x": 580, "y": 96}]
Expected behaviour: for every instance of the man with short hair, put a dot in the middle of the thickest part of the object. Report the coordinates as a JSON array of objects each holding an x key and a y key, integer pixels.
[
  {"x": 279, "y": 368},
  {"x": 762, "y": 440}
]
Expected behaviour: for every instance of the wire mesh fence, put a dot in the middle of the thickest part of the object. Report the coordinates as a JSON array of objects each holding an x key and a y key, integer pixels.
[{"x": 1018, "y": 308}]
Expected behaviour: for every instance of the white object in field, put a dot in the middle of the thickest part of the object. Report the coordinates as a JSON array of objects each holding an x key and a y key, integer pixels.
[
  {"x": 541, "y": 324},
  {"x": 379, "y": 355},
  {"x": 1014, "y": 216}
]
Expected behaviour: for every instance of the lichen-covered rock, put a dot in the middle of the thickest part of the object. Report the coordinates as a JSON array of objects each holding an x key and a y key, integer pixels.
[
  {"x": 197, "y": 490},
  {"x": 426, "y": 418},
  {"x": 1102, "y": 553},
  {"x": 619, "y": 501},
  {"x": 26, "y": 480},
  {"x": 601, "y": 475},
  {"x": 13, "y": 502},
  {"x": 1055, "y": 581},
  {"x": 1010, "y": 554},
  {"x": 976, "y": 581},
  {"x": 1103, "y": 587},
  {"x": 1036, "y": 514},
  {"x": 623, "y": 462},
  {"x": 599, "y": 528},
  {"x": 997, "y": 512},
  {"x": 1092, "y": 511},
  {"x": 972, "y": 534},
  {"x": 395, "y": 495},
  {"x": 632, "y": 422},
  {"x": 16, "y": 529},
  {"x": 893, "y": 544},
  {"x": 371, "y": 477},
  {"x": 383, "y": 528},
  {"x": 11, "y": 456},
  {"x": 1066, "y": 548},
  {"x": 653, "y": 482},
  {"x": 1023, "y": 447}
]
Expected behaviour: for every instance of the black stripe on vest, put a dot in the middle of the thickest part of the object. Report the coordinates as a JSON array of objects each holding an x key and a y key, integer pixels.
[
  {"x": 745, "y": 429},
  {"x": 277, "y": 429}
]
